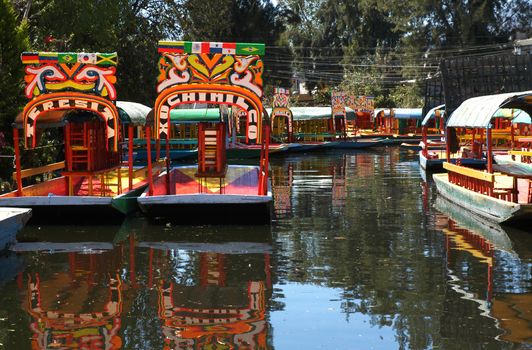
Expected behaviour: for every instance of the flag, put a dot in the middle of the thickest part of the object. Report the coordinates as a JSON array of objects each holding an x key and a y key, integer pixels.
[
  {"x": 107, "y": 59},
  {"x": 29, "y": 58},
  {"x": 172, "y": 46},
  {"x": 249, "y": 49},
  {"x": 229, "y": 48},
  {"x": 87, "y": 58},
  {"x": 48, "y": 57},
  {"x": 196, "y": 47},
  {"x": 215, "y": 48},
  {"x": 67, "y": 57}
]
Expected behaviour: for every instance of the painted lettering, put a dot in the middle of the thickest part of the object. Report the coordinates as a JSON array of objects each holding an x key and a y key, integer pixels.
[{"x": 174, "y": 99}]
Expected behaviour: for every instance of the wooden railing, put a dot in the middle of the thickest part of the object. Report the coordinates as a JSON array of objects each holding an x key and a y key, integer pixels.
[
  {"x": 526, "y": 156},
  {"x": 491, "y": 184},
  {"x": 40, "y": 170}
]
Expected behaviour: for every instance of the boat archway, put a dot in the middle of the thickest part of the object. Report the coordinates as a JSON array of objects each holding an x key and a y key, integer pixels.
[
  {"x": 102, "y": 107},
  {"x": 214, "y": 94}
]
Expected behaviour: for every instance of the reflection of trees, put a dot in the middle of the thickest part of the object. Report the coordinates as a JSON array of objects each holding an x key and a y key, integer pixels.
[{"x": 374, "y": 247}]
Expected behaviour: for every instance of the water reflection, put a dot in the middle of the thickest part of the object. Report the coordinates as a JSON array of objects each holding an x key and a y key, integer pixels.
[
  {"x": 145, "y": 290},
  {"x": 503, "y": 277},
  {"x": 357, "y": 257}
]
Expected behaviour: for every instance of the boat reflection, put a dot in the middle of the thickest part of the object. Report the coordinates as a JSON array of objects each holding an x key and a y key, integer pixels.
[
  {"x": 202, "y": 292},
  {"x": 471, "y": 243},
  {"x": 77, "y": 307},
  {"x": 321, "y": 174},
  {"x": 211, "y": 295}
]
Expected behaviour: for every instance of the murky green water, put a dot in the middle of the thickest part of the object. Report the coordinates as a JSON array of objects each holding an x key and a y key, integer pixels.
[{"x": 357, "y": 258}]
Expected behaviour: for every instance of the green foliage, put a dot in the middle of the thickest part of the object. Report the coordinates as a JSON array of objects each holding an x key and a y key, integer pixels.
[
  {"x": 407, "y": 96},
  {"x": 13, "y": 40}
]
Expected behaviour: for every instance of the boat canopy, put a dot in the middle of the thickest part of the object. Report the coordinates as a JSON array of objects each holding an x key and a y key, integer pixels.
[
  {"x": 522, "y": 117},
  {"x": 196, "y": 115},
  {"x": 400, "y": 113},
  {"x": 430, "y": 114},
  {"x": 311, "y": 113},
  {"x": 477, "y": 112},
  {"x": 129, "y": 113},
  {"x": 133, "y": 113},
  {"x": 315, "y": 113}
]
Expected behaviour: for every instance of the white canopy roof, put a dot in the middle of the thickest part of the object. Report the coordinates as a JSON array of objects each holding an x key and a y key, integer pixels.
[
  {"x": 477, "y": 112},
  {"x": 430, "y": 114}
]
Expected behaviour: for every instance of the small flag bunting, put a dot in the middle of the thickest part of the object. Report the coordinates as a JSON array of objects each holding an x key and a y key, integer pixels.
[
  {"x": 107, "y": 59},
  {"x": 172, "y": 46},
  {"x": 250, "y": 49},
  {"x": 68, "y": 57},
  {"x": 29, "y": 57},
  {"x": 229, "y": 48},
  {"x": 48, "y": 57},
  {"x": 200, "y": 47},
  {"x": 87, "y": 58},
  {"x": 215, "y": 47}
]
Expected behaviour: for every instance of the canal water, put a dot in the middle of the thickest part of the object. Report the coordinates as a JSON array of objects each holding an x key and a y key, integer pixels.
[{"x": 362, "y": 254}]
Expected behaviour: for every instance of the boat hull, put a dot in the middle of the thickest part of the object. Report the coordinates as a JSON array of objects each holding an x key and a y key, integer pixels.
[
  {"x": 186, "y": 199},
  {"x": 437, "y": 163},
  {"x": 354, "y": 144},
  {"x": 490, "y": 208},
  {"x": 204, "y": 209},
  {"x": 86, "y": 209},
  {"x": 11, "y": 221},
  {"x": 253, "y": 151}
]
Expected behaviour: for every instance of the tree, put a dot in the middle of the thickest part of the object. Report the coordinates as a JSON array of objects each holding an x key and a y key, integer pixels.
[{"x": 13, "y": 41}]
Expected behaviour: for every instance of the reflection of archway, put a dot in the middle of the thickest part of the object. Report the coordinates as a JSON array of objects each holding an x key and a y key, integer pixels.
[
  {"x": 241, "y": 325},
  {"x": 216, "y": 302},
  {"x": 56, "y": 329}
]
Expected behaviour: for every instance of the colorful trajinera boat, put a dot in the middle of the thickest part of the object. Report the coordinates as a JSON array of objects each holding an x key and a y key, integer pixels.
[
  {"x": 432, "y": 153},
  {"x": 214, "y": 74},
  {"x": 73, "y": 94},
  {"x": 503, "y": 192},
  {"x": 397, "y": 125},
  {"x": 520, "y": 152}
]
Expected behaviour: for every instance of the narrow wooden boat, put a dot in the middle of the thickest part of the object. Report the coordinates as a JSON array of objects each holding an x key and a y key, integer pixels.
[
  {"x": 433, "y": 153},
  {"x": 395, "y": 125},
  {"x": 502, "y": 193},
  {"x": 221, "y": 192},
  {"x": 90, "y": 182},
  {"x": 11, "y": 221},
  {"x": 493, "y": 209},
  {"x": 435, "y": 158}
]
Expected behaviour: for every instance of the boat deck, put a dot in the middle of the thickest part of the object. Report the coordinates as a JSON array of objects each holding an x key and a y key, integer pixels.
[
  {"x": 109, "y": 187},
  {"x": 238, "y": 180}
]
